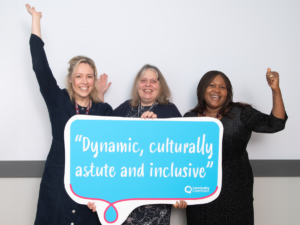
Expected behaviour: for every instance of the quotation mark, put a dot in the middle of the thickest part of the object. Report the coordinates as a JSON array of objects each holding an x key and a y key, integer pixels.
[
  {"x": 77, "y": 138},
  {"x": 210, "y": 164}
]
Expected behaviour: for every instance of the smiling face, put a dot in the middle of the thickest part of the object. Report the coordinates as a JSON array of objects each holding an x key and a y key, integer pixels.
[
  {"x": 216, "y": 93},
  {"x": 83, "y": 81},
  {"x": 148, "y": 87}
]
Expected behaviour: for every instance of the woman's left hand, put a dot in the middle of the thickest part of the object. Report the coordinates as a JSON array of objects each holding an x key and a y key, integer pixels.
[
  {"x": 180, "y": 205},
  {"x": 278, "y": 107},
  {"x": 149, "y": 115},
  {"x": 273, "y": 79}
]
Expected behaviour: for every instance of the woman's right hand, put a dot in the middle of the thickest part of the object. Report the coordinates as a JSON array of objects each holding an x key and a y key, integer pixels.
[
  {"x": 32, "y": 11},
  {"x": 149, "y": 115},
  {"x": 103, "y": 86},
  {"x": 92, "y": 206}
]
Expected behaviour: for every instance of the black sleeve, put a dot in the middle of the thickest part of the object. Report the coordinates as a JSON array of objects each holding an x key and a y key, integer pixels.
[
  {"x": 172, "y": 111},
  {"x": 119, "y": 111},
  {"x": 260, "y": 122},
  {"x": 107, "y": 110},
  {"x": 49, "y": 89}
]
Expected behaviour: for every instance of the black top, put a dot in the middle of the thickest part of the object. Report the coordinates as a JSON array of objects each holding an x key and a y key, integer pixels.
[
  {"x": 162, "y": 111},
  {"x": 234, "y": 206},
  {"x": 54, "y": 204},
  {"x": 136, "y": 113},
  {"x": 158, "y": 214}
]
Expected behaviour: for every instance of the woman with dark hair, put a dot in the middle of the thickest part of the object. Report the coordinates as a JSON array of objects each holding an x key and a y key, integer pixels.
[
  {"x": 234, "y": 206},
  {"x": 80, "y": 97},
  {"x": 150, "y": 99}
]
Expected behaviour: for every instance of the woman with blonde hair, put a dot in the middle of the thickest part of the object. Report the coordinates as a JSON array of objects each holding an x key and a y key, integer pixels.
[
  {"x": 150, "y": 94},
  {"x": 81, "y": 97}
]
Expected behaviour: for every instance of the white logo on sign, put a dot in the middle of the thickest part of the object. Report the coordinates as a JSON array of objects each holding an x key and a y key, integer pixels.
[{"x": 188, "y": 189}]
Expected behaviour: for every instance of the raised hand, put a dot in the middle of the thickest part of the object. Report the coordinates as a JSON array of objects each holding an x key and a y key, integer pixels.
[
  {"x": 180, "y": 205},
  {"x": 273, "y": 79},
  {"x": 278, "y": 106},
  {"x": 36, "y": 20},
  {"x": 32, "y": 11},
  {"x": 103, "y": 86},
  {"x": 92, "y": 206},
  {"x": 148, "y": 115}
]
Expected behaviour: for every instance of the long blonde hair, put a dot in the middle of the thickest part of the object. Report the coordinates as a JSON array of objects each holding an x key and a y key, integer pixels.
[
  {"x": 74, "y": 63},
  {"x": 164, "y": 94}
]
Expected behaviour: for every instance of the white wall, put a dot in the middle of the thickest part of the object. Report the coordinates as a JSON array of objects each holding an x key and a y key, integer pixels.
[
  {"x": 184, "y": 39},
  {"x": 276, "y": 201}
]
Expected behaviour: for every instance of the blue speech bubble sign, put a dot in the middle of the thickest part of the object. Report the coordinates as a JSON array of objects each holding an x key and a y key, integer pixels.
[{"x": 123, "y": 163}]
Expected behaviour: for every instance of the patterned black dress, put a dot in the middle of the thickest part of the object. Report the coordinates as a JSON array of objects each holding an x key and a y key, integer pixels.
[
  {"x": 234, "y": 206},
  {"x": 158, "y": 214}
]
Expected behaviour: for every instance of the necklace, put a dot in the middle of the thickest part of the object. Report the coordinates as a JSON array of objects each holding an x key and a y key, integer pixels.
[
  {"x": 139, "y": 108},
  {"x": 204, "y": 114},
  {"x": 87, "y": 109}
]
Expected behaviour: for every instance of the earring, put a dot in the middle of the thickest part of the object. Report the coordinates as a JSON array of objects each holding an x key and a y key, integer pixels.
[{"x": 70, "y": 84}]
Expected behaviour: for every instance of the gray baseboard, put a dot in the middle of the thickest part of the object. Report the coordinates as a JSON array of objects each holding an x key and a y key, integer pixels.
[
  {"x": 276, "y": 168},
  {"x": 261, "y": 168},
  {"x": 10, "y": 169}
]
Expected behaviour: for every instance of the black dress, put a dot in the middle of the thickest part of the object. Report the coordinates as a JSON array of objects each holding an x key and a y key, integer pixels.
[
  {"x": 54, "y": 205},
  {"x": 158, "y": 214},
  {"x": 234, "y": 206}
]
